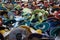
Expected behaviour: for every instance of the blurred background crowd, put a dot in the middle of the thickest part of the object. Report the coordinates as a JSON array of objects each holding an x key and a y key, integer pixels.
[{"x": 29, "y": 19}]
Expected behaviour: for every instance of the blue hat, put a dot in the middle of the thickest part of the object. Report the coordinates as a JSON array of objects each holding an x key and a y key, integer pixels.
[{"x": 44, "y": 26}]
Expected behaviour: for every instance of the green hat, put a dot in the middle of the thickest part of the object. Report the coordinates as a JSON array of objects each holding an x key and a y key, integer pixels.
[
  {"x": 55, "y": 31},
  {"x": 17, "y": 7}
]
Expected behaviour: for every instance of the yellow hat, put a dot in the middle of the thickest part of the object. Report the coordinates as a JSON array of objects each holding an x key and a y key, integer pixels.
[
  {"x": 2, "y": 31},
  {"x": 39, "y": 31},
  {"x": 27, "y": 28}
]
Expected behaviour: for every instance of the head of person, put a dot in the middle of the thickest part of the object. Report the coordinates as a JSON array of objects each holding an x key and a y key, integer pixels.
[
  {"x": 26, "y": 5},
  {"x": 34, "y": 3},
  {"x": 57, "y": 13},
  {"x": 17, "y": 12},
  {"x": 5, "y": 14}
]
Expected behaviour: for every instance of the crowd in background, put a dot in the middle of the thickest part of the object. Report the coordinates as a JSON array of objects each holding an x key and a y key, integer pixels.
[{"x": 39, "y": 18}]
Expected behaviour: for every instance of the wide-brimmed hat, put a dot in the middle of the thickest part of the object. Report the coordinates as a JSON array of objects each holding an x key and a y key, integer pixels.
[
  {"x": 55, "y": 31},
  {"x": 39, "y": 36},
  {"x": 44, "y": 26},
  {"x": 17, "y": 33},
  {"x": 2, "y": 28}
]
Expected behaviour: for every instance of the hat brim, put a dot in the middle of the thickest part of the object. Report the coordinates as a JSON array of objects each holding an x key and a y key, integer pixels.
[
  {"x": 55, "y": 31},
  {"x": 44, "y": 26},
  {"x": 2, "y": 28}
]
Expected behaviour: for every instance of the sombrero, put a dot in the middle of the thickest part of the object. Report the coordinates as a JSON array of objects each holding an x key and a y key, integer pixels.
[
  {"x": 39, "y": 36},
  {"x": 17, "y": 33},
  {"x": 52, "y": 21},
  {"x": 2, "y": 28},
  {"x": 27, "y": 28},
  {"x": 54, "y": 32},
  {"x": 44, "y": 26}
]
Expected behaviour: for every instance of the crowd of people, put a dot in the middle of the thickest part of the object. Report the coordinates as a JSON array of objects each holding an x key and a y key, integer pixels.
[{"x": 36, "y": 20}]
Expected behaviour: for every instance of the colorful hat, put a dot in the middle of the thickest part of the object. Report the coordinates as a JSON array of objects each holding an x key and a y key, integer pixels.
[
  {"x": 52, "y": 21},
  {"x": 27, "y": 28},
  {"x": 17, "y": 34},
  {"x": 44, "y": 26},
  {"x": 2, "y": 31},
  {"x": 38, "y": 36},
  {"x": 2, "y": 28}
]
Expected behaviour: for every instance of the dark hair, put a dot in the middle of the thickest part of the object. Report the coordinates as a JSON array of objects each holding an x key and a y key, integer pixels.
[
  {"x": 34, "y": 35},
  {"x": 52, "y": 4},
  {"x": 1, "y": 37},
  {"x": 4, "y": 12},
  {"x": 18, "y": 11},
  {"x": 22, "y": 5},
  {"x": 59, "y": 5},
  {"x": 41, "y": 2},
  {"x": 55, "y": 9}
]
